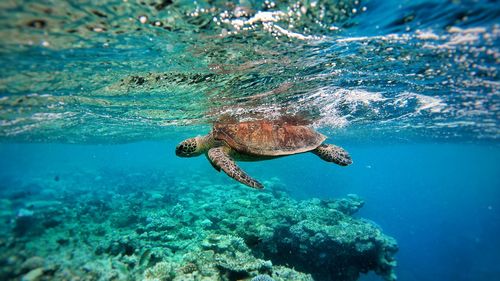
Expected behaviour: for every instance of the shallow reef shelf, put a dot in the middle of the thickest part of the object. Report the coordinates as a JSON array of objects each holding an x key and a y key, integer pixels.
[{"x": 114, "y": 228}]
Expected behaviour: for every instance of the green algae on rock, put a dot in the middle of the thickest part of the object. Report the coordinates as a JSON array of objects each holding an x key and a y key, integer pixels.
[{"x": 192, "y": 229}]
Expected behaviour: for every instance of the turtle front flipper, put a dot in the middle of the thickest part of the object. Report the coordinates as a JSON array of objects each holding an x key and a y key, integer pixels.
[
  {"x": 220, "y": 159},
  {"x": 333, "y": 153}
]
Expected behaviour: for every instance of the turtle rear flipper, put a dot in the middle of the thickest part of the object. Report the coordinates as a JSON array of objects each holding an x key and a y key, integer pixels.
[
  {"x": 333, "y": 153},
  {"x": 219, "y": 158}
]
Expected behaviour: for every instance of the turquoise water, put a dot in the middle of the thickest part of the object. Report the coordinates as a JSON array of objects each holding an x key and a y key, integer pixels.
[{"x": 94, "y": 98}]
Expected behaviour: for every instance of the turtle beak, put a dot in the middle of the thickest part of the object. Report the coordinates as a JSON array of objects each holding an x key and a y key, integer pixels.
[{"x": 178, "y": 150}]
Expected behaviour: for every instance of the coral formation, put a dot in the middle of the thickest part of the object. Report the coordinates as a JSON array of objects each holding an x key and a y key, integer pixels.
[
  {"x": 162, "y": 271},
  {"x": 262, "y": 278},
  {"x": 190, "y": 229}
]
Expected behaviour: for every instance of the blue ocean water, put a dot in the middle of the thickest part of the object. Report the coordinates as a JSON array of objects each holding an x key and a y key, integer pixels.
[{"x": 95, "y": 96}]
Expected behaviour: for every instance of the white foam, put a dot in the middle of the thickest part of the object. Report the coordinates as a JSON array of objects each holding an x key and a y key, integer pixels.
[
  {"x": 473, "y": 30},
  {"x": 463, "y": 38},
  {"x": 44, "y": 116},
  {"x": 354, "y": 39},
  {"x": 458, "y": 37},
  {"x": 455, "y": 124},
  {"x": 426, "y": 35},
  {"x": 295, "y": 35},
  {"x": 361, "y": 96},
  {"x": 268, "y": 20},
  {"x": 259, "y": 17},
  {"x": 426, "y": 103},
  {"x": 388, "y": 37},
  {"x": 329, "y": 100},
  {"x": 266, "y": 17}
]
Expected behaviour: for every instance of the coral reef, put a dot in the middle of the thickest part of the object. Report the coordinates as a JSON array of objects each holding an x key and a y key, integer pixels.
[
  {"x": 262, "y": 278},
  {"x": 150, "y": 227}
]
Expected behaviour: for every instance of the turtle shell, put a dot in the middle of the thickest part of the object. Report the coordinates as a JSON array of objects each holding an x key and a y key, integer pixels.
[{"x": 267, "y": 138}]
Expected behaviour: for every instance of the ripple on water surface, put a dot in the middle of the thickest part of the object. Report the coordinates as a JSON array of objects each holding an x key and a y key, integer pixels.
[{"x": 127, "y": 70}]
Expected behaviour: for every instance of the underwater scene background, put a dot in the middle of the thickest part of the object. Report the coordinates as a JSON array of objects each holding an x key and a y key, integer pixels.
[{"x": 95, "y": 96}]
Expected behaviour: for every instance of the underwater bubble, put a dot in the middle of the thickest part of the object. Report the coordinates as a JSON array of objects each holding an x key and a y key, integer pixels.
[{"x": 143, "y": 19}]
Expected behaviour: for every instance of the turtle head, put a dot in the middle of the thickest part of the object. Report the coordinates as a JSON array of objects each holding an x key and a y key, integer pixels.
[{"x": 190, "y": 147}]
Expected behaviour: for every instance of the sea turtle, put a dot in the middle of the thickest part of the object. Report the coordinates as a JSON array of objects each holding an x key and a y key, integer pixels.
[{"x": 255, "y": 141}]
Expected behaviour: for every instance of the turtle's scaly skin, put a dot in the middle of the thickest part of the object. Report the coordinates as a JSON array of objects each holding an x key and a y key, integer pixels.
[
  {"x": 219, "y": 159},
  {"x": 266, "y": 138},
  {"x": 333, "y": 153}
]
